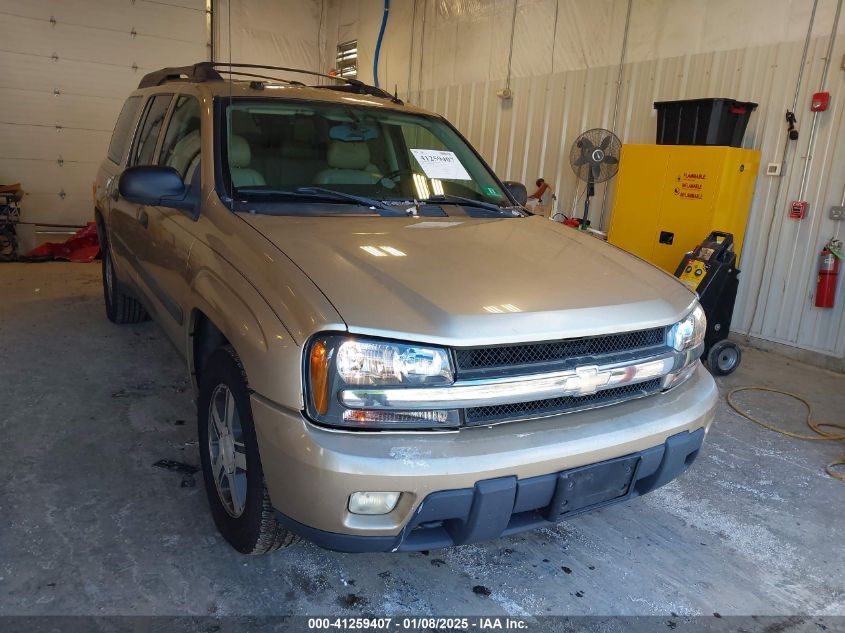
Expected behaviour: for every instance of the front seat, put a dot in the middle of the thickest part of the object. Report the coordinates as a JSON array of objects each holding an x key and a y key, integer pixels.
[
  {"x": 349, "y": 164},
  {"x": 240, "y": 157},
  {"x": 185, "y": 155}
]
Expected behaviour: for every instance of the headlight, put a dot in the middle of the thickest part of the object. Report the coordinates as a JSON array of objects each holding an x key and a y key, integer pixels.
[
  {"x": 687, "y": 337},
  {"x": 337, "y": 361},
  {"x": 689, "y": 332},
  {"x": 362, "y": 362}
]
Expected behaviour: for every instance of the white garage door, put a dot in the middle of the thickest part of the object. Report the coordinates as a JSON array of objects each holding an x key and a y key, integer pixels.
[{"x": 66, "y": 66}]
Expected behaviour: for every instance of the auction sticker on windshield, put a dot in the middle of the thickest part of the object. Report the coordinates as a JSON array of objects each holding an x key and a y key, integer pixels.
[{"x": 440, "y": 164}]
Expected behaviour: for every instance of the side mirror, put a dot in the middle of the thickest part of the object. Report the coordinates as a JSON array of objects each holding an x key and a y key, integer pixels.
[
  {"x": 518, "y": 191},
  {"x": 155, "y": 186}
]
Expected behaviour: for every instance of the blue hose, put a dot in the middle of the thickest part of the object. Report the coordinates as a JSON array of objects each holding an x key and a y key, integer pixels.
[{"x": 378, "y": 41}]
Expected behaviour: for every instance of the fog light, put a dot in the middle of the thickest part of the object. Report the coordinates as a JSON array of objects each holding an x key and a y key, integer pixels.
[{"x": 372, "y": 502}]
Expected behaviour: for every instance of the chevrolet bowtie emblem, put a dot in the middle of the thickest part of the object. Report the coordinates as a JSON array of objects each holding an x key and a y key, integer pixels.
[{"x": 586, "y": 381}]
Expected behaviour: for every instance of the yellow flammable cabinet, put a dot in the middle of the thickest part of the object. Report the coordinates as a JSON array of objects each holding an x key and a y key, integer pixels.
[{"x": 669, "y": 198}]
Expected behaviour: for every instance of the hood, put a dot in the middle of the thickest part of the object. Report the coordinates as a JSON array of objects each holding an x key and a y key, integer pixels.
[{"x": 466, "y": 281}]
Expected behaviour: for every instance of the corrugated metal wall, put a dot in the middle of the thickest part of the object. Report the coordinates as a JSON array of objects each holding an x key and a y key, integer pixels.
[
  {"x": 65, "y": 70},
  {"x": 531, "y": 135}
]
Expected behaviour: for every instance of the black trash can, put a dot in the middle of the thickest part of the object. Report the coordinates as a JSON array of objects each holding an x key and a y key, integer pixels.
[{"x": 702, "y": 121}]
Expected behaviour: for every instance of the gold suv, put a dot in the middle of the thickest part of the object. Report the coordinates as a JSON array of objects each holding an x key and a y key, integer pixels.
[{"x": 387, "y": 351}]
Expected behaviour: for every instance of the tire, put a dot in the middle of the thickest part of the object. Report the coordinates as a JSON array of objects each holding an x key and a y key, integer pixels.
[
  {"x": 723, "y": 358},
  {"x": 231, "y": 465},
  {"x": 120, "y": 307}
]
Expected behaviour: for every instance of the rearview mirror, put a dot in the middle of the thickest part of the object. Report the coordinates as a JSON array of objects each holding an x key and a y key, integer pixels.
[
  {"x": 353, "y": 133},
  {"x": 155, "y": 186},
  {"x": 518, "y": 191}
]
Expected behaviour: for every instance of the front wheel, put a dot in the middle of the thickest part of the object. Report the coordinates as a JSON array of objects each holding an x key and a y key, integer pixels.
[
  {"x": 723, "y": 358},
  {"x": 231, "y": 465}
]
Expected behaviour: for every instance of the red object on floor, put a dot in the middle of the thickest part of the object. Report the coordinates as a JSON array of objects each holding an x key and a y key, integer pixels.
[{"x": 82, "y": 246}]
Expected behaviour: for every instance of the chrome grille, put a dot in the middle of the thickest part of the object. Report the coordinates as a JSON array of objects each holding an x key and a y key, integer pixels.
[
  {"x": 481, "y": 360},
  {"x": 555, "y": 406}
]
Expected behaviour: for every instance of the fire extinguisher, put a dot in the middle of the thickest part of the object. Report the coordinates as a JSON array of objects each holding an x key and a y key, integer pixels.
[{"x": 828, "y": 271}]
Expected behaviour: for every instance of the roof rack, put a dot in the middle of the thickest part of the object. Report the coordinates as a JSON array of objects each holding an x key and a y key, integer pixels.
[
  {"x": 290, "y": 82},
  {"x": 197, "y": 73},
  {"x": 211, "y": 71}
]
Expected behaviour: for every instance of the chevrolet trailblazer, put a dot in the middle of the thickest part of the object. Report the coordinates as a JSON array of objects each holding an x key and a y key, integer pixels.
[{"x": 379, "y": 363}]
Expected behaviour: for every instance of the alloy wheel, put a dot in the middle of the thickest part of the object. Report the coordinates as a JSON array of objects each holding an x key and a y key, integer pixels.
[{"x": 226, "y": 450}]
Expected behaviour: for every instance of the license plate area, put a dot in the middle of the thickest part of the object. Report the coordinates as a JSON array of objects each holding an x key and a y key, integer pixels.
[{"x": 593, "y": 485}]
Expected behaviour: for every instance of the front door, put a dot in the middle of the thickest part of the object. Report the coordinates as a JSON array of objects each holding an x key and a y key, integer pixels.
[
  {"x": 130, "y": 221},
  {"x": 106, "y": 194},
  {"x": 169, "y": 232}
]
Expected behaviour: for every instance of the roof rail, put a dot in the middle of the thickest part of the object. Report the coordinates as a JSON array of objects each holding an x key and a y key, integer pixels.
[
  {"x": 211, "y": 71},
  {"x": 197, "y": 73}
]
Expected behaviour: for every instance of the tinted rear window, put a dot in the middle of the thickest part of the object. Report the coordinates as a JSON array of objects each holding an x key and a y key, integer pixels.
[{"x": 123, "y": 129}]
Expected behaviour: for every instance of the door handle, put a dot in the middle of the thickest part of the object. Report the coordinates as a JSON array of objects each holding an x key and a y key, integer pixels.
[
  {"x": 143, "y": 218},
  {"x": 111, "y": 190}
]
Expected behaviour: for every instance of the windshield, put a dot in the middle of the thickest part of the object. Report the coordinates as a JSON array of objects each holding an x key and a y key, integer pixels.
[{"x": 275, "y": 149}]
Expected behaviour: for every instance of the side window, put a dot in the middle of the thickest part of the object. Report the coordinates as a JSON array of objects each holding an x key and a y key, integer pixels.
[
  {"x": 181, "y": 148},
  {"x": 145, "y": 142},
  {"x": 123, "y": 129}
]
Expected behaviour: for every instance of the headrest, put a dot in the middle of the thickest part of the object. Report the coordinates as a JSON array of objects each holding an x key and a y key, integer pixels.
[
  {"x": 348, "y": 155},
  {"x": 239, "y": 152}
]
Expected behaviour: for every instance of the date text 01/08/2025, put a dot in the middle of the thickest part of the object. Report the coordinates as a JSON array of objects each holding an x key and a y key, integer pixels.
[{"x": 418, "y": 623}]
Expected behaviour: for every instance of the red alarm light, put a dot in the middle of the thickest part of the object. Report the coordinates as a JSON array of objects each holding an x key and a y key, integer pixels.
[{"x": 820, "y": 102}]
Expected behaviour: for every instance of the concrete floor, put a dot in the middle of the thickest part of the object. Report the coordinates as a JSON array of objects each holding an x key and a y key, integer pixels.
[{"x": 90, "y": 527}]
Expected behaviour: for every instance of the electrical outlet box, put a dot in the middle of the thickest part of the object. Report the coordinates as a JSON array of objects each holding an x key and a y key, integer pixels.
[
  {"x": 837, "y": 213},
  {"x": 773, "y": 169}
]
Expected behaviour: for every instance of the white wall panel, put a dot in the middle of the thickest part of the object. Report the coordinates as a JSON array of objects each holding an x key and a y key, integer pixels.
[
  {"x": 47, "y": 143},
  {"x": 30, "y": 72},
  {"x": 72, "y": 110},
  {"x": 85, "y": 43},
  {"x": 165, "y": 19},
  {"x": 65, "y": 70}
]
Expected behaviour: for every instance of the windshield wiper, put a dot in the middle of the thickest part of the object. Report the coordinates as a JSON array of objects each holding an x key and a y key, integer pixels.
[
  {"x": 469, "y": 202},
  {"x": 318, "y": 194},
  {"x": 370, "y": 202}
]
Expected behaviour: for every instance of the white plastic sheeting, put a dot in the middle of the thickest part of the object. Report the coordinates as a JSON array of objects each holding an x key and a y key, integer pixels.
[
  {"x": 455, "y": 42},
  {"x": 65, "y": 70},
  {"x": 278, "y": 33}
]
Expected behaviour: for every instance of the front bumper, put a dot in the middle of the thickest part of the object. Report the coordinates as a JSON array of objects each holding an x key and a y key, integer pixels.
[
  {"x": 311, "y": 471},
  {"x": 507, "y": 505}
]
